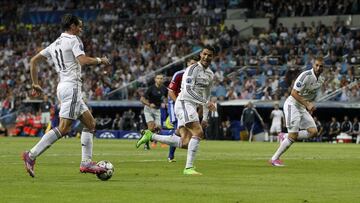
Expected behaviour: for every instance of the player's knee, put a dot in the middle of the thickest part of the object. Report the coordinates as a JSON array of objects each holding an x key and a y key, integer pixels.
[
  {"x": 151, "y": 126},
  {"x": 313, "y": 132},
  {"x": 63, "y": 130},
  {"x": 199, "y": 133},
  {"x": 185, "y": 142},
  {"x": 185, "y": 145}
]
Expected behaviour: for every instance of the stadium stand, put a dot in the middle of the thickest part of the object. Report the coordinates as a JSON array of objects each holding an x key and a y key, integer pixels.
[{"x": 142, "y": 36}]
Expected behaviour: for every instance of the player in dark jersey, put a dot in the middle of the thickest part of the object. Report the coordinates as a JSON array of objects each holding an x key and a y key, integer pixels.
[
  {"x": 173, "y": 92},
  {"x": 152, "y": 100}
]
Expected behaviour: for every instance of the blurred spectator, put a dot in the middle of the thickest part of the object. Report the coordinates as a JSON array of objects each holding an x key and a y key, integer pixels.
[
  {"x": 7, "y": 105},
  {"x": 249, "y": 117},
  {"x": 354, "y": 95},
  {"x": 286, "y": 8},
  {"x": 116, "y": 122},
  {"x": 346, "y": 126},
  {"x": 334, "y": 129},
  {"x": 226, "y": 130},
  {"x": 35, "y": 126},
  {"x": 19, "y": 124},
  {"x": 214, "y": 123},
  {"x": 231, "y": 94},
  {"x": 277, "y": 122},
  {"x": 127, "y": 120},
  {"x": 104, "y": 123},
  {"x": 356, "y": 130},
  {"x": 220, "y": 90},
  {"x": 266, "y": 96},
  {"x": 3, "y": 130},
  {"x": 320, "y": 129}
]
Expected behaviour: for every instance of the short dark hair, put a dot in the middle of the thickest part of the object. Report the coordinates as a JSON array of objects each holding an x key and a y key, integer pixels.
[
  {"x": 319, "y": 58},
  {"x": 69, "y": 19},
  {"x": 209, "y": 47},
  {"x": 194, "y": 57}
]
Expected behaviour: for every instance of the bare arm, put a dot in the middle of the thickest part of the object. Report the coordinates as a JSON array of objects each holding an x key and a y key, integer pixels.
[
  {"x": 242, "y": 117},
  {"x": 37, "y": 90},
  {"x": 259, "y": 117},
  {"x": 309, "y": 106},
  {"x": 147, "y": 103},
  {"x": 34, "y": 69},
  {"x": 172, "y": 95},
  {"x": 86, "y": 60}
]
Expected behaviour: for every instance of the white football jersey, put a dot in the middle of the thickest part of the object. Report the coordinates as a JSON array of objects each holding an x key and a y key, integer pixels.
[
  {"x": 307, "y": 85},
  {"x": 196, "y": 84},
  {"x": 277, "y": 115},
  {"x": 63, "y": 52}
]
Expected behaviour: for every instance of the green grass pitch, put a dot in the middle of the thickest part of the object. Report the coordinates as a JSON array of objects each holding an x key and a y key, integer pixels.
[{"x": 233, "y": 172}]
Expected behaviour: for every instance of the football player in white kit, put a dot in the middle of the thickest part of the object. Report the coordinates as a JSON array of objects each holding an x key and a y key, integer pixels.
[
  {"x": 195, "y": 90},
  {"x": 67, "y": 54},
  {"x": 277, "y": 117},
  {"x": 298, "y": 108}
]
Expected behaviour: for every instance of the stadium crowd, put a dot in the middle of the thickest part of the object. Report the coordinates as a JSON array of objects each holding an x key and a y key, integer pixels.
[
  {"x": 141, "y": 36},
  {"x": 291, "y": 8}
]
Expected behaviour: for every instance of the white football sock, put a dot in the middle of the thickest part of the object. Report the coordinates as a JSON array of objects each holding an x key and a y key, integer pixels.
[
  {"x": 303, "y": 134},
  {"x": 192, "y": 149},
  {"x": 172, "y": 140},
  {"x": 86, "y": 145},
  {"x": 358, "y": 139},
  {"x": 282, "y": 148},
  {"x": 46, "y": 141}
]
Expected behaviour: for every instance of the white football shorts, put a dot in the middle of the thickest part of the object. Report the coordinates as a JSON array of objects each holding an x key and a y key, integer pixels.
[
  {"x": 297, "y": 117},
  {"x": 275, "y": 128},
  {"x": 185, "y": 112},
  {"x": 152, "y": 115},
  {"x": 71, "y": 103}
]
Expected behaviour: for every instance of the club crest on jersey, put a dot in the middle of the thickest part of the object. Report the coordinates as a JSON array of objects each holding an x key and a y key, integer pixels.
[
  {"x": 189, "y": 80},
  {"x": 298, "y": 84}
]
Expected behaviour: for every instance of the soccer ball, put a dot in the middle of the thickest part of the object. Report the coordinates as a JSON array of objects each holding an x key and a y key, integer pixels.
[{"x": 109, "y": 170}]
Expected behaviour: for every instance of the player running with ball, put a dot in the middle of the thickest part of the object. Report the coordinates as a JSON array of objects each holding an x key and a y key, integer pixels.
[
  {"x": 195, "y": 90},
  {"x": 298, "y": 108},
  {"x": 67, "y": 54}
]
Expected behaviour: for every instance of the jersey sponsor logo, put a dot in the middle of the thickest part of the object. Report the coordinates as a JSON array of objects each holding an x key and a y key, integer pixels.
[
  {"x": 202, "y": 82},
  {"x": 203, "y": 85},
  {"x": 188, "y": 80},
  {"x": 107, "y": 135}
]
